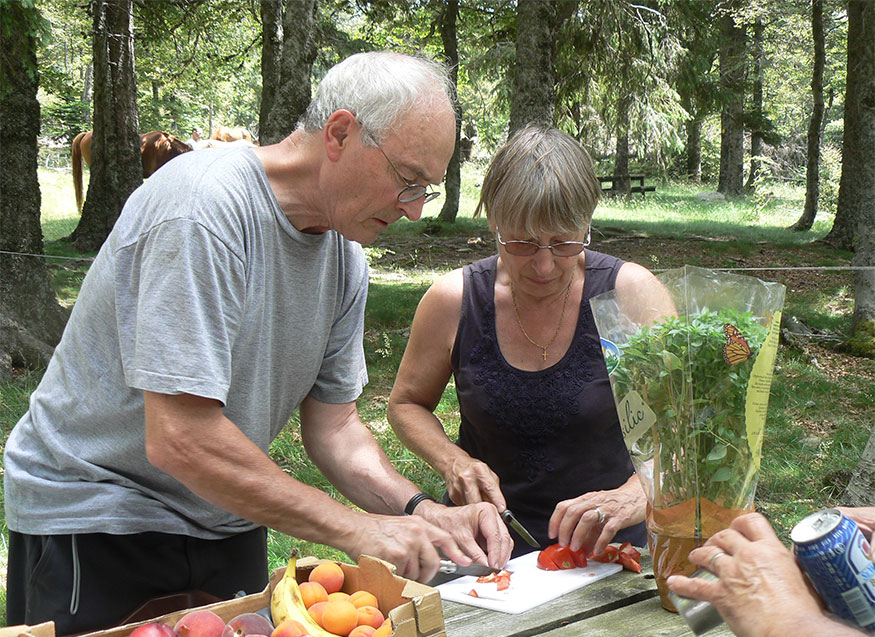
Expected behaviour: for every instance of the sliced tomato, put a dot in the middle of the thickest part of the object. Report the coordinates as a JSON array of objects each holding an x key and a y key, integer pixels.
[
  {"x": 579, "y": 557},
  {"x": 545, "y": 563},
  {"x": 473, "y": 593},
  {"x": 556, "y": 557},
  {"x": 503, "y": 581}
]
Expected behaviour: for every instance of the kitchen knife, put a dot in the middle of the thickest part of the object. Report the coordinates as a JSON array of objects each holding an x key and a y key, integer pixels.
[
  {"x": 448, "y": 566},
  {"x": 513, "y": 523}
]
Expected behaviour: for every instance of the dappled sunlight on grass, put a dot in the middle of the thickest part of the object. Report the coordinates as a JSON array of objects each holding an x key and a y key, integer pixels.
[{"x": 58, "y": 212}]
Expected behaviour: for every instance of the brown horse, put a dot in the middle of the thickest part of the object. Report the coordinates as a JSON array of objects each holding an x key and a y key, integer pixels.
[
  {"x": 156, "y": 148},
  {"x": 228, "y": 134}
]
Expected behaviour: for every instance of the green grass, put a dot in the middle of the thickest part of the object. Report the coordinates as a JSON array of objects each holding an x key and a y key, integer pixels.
[{"x": 820, "y": 411}]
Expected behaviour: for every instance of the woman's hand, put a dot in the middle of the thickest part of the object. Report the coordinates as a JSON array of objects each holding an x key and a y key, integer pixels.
[
  {"x": 470, "y": 481},
  {"x": 593, "y": 519}
]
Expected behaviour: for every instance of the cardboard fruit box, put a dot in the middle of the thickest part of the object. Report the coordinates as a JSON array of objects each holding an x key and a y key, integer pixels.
[{"x": 415, "y": 609}]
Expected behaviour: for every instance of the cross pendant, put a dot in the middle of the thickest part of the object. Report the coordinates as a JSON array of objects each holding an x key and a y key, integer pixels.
[{"x": 545, "y": 353}]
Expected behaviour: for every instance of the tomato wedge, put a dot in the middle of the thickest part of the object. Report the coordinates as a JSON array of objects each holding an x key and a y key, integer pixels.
[
  {"x": 626, "y": 554},
  {"x": 629, "y": 564},
  {"x": 610, "y": 554}
]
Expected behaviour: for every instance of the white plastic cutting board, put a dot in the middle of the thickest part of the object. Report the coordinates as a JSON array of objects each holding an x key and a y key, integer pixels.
[{"x": 529, "y": 585}]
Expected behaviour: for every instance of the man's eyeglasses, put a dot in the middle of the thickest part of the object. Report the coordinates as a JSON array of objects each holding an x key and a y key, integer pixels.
[
  {"x": 521, "y": 248},
  {"x": 413, "y": 191}
]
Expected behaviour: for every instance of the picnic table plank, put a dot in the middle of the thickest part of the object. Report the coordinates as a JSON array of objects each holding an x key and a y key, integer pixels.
[{"x": 645, "y": 619}]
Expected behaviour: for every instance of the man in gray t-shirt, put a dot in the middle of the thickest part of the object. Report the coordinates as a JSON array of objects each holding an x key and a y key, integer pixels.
[{"x": 230, "y": 293}]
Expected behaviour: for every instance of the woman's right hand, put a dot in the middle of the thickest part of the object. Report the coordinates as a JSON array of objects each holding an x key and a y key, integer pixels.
[{"x": 470, "y": 481}]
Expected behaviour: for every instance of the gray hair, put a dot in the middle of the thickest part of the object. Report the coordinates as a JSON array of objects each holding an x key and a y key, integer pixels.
[
  {"x": 541, "y": 180},
  {"x": 378, "y": 87}
]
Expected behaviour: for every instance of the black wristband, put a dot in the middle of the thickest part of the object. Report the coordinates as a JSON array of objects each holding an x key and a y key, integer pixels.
[{"x": 415, "y": 500}]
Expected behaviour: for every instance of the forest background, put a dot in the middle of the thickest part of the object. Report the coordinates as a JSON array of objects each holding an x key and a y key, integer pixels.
[{"x": 737, "y": 111}]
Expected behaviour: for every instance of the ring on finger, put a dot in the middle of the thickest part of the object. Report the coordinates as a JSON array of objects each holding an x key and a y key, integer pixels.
[
  {"x": 714, "y": 559},
  {"x": 602, "y": 516}
]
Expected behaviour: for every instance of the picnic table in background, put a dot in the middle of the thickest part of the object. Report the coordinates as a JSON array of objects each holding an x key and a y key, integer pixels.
[
  {"x": 621, "y": 605},
  {"x": 610, "y": 180}
]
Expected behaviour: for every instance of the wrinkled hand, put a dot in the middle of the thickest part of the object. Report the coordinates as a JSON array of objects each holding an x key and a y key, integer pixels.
[
  {"x": 575, "y": 523},
  {"x": 761, "y": 590},
  {"x": 865, "y": 519},
  {"x": 470, "y": 481},
  {"x": 477, "y": 529},
  {"x": 409, "y": 542}
]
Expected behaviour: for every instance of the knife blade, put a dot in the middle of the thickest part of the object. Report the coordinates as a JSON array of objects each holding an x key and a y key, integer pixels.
[
  {"x": 448, "y": 566},
  {"x": 515, "y": 524}
]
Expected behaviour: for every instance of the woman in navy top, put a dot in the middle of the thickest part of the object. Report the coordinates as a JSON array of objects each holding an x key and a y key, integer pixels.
[{"x": 539, "y": 432}]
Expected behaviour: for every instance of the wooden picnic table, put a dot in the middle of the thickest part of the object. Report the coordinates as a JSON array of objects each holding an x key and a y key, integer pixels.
[
  {"x": 622, "y": 605},
  {"x": 640, "y": 187}
]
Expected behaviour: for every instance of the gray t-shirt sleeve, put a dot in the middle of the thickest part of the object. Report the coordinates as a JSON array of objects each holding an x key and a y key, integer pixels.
[{"x": 177, "y": 289}]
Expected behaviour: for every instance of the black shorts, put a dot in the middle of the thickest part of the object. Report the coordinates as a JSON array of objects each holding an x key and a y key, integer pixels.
[{"x": 92, "y": 581}]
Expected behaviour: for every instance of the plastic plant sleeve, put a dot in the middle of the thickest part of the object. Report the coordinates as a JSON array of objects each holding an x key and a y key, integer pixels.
[{"x": 690, "y": 360}]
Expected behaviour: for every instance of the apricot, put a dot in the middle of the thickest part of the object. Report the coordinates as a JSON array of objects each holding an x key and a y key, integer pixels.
[
  {"x": 362, "y": 631},
  {"x": 338, "y": 596},
  {"x": 329, "y": 574},
  {"x": 385, "y": 630},
  {"x": 369, "y": 616},
  {"x": 200, "y": 623},
  {"x": 316, "y": 611},
  {"x": 312, "y": 592},
  {"x": 153, "y": 629},
  {"x": 289, "y": 628},
  {"x": 339, "y": 617},
  {"x": 363, "y": 598}
]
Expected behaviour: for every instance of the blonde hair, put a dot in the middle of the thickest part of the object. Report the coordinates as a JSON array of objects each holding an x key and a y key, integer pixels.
[{"x": 541, "y": 180}]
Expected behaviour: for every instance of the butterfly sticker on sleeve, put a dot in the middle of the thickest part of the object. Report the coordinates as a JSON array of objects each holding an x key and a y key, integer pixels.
[{"x": 736, "y": 349}]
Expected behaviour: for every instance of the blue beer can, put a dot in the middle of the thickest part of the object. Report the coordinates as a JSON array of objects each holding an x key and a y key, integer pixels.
[{"x": 835, "y": 556}]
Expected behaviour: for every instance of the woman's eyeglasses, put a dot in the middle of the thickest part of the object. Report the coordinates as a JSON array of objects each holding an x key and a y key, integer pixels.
[
  {"x": 521, "y": 248},
  {"x": 413, "y": 191}
]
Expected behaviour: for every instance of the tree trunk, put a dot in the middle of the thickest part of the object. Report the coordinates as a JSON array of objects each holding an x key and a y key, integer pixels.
[
  {"x": 286, "y": 77},
  {"x": 731, "y": 180},
  {"x": 116, "y": 166},
  {"x": 862, "y": 485},
  {"x": 756, "y": 136},
  {"x": 621, "y": 160},
  {"x": 815, "y": 124},
  {"x": 86, "y": 92},
  {"x": 271, "y": 53},
  {"x": 453, "y": 186},
  {"x": 855, "y": 186},
  {"x": 693, "y": 126},
  {"x": 864, "y": 193},
  {"x": 534, "y": 84},
  {"x": 31, "y": 321}
]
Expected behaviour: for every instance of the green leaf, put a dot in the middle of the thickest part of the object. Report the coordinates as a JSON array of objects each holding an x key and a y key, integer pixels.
[
  {"x": 722, "y": 474},
  {"x": 717, "y": 453}
]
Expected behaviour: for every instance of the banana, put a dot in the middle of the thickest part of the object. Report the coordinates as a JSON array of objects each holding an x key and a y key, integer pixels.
[{"x": 286, "y": 602}]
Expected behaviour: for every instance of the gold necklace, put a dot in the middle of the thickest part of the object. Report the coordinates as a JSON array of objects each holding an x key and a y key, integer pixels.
[{"x": 516, "y": 312}]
